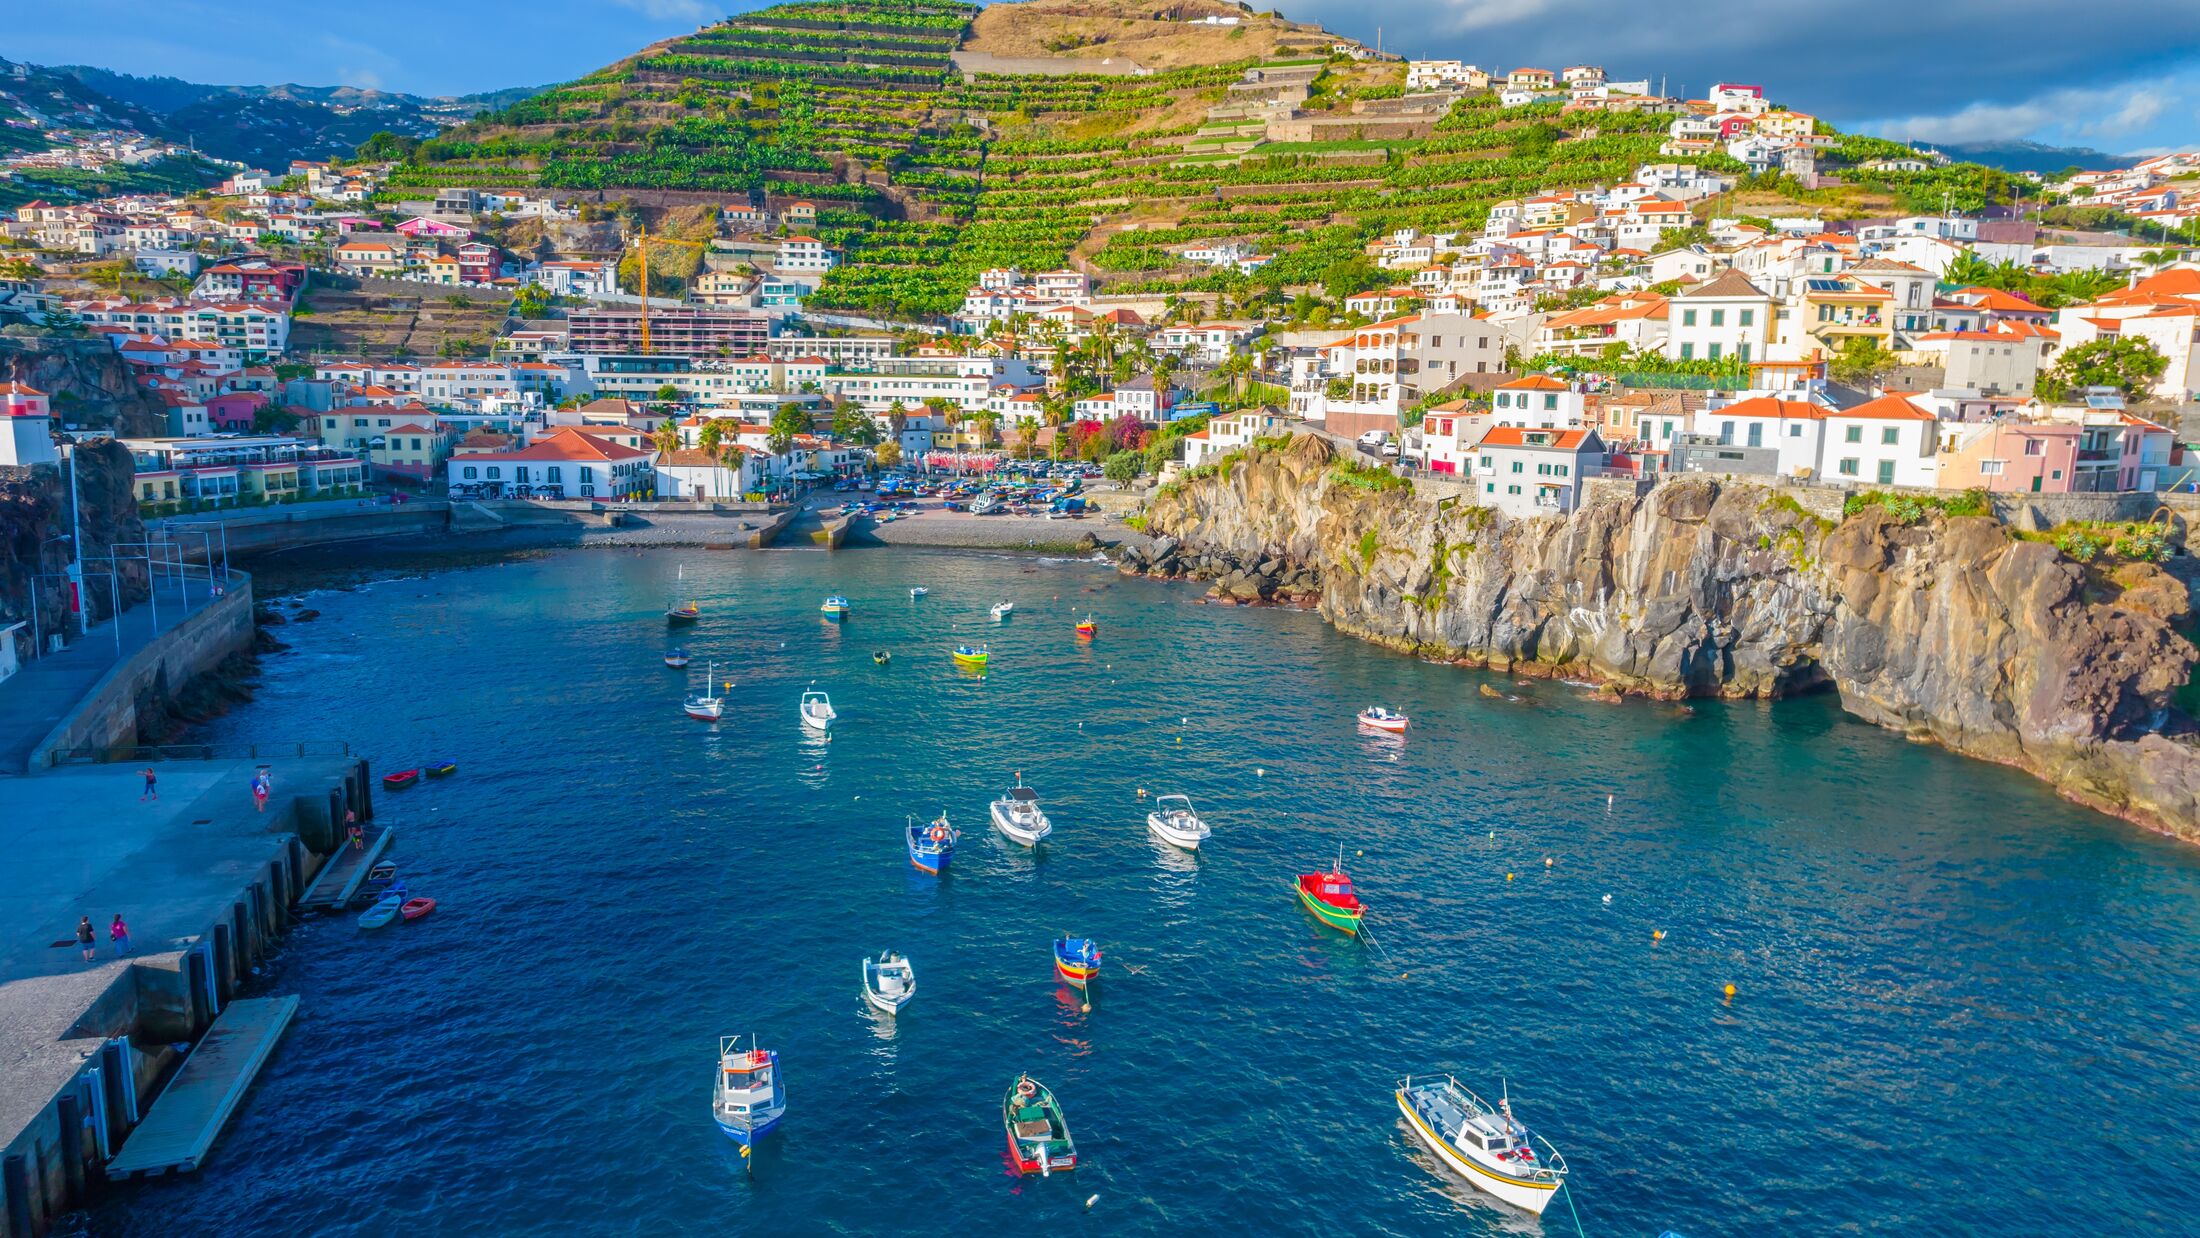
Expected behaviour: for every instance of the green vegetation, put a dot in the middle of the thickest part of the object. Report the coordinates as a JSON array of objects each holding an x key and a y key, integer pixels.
[
  {"x": 2127, "y": 364},
  {"x": 1910, "y": 508},
  {"x": 1373, "y": 478},
  {"x": 176, "y": 175},
  {"x": 2087, "y": 541}
]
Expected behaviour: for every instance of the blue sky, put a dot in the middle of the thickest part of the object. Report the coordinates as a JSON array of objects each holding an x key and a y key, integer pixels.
[{"x": 2120, "y": 75}]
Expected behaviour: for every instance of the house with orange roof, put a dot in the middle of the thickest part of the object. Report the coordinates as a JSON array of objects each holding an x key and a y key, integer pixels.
[
  {"x": 414, "y": 451},
  {"x": 1793, "y": 431},
  {"x": 568, "y": 464},
  {"x": 1537, "y": 401},
  {"x": 1890, "y": 441},
  {"x": 1526, "y": 472},
  {"x": 1834, "y": 309},
  {"x": 1384, "y": 368},
  {"x": 1635, "y": 319}
]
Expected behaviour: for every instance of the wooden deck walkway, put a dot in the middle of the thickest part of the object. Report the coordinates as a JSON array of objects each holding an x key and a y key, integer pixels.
[
  {"x": 190, "y": 1112},
  {"x": 336, "y": 886}
]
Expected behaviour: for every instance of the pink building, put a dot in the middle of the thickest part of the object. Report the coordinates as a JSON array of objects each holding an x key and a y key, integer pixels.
[
  {"x": 2039, "y": 457},
  {"x": 233, "y": 410}
]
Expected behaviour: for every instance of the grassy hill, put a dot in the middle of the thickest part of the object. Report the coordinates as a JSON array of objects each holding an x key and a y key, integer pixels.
[{"x": 933, "y": 172}]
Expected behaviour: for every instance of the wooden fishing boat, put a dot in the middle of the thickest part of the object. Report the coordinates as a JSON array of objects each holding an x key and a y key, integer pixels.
[
  {"x": 1077, "y": 960},
  {"x": 683, "y": 614},
  {"x": 708, "y": 706},
  {"x": 835, "y": 607},
  {"x": 932, "y": 845},
  {"x": 747, "y": 1100},
  {"x": 1173, "y": 821},
  {"x": 1377, "y": 718},
  {"x": 1038, "y": 1135},
  {"x": 401, "y": 779},
  {"x": 1482, "y": 1143},
  {"x": 676, "y": 658},
  {"x": 1330, "y": 897},
  {"x": 414, "y": 908},
  {"x": 1087, "y": 628},
  {"x": 888, "y": 982},
  {"x": 440, "y": 769},
  {"x": 976, "y": 659},
  {"x": 385, "y": 909}
]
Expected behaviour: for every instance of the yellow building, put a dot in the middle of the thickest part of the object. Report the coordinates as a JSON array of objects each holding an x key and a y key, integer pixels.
[{"x": 1838, "y": 308}]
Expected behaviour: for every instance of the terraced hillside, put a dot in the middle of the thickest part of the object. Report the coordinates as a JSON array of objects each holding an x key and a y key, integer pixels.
[{"x": 932, "y": 172}]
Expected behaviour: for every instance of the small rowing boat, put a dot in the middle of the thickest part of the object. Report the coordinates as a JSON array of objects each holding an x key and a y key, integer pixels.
[
  {"x": 1077, "y": 960},
  {"x": 1485, "y": 1145},
  {"x": 1377, "y": 718},
  {"x": 747, "y": 1100},
  {"x": 1016, "y": 814},
  {"x": 888, "y": 982},
  {"x": 414, "y": 908},
  {"x": 441, "y": 769},
  {"x": 881, "y": 657},
  {"x": 1087, "y": 628},
  {"x": 835, "y": 606},
  {"x": 1038, "y": 1135},
  {"x": 975, "y": 658},
  {"x": 817, "y": 710},
  {"x": 1001, "y": 609},
  {"x": 676, "y": 658},
  {"x": 1173, "y": 821},
  {"x": 918, "y": 591},
  {"x": 401, "y": 779},
  {"x": 683, "y": 614},
  {"x": 932, "y": 845},
  {"x": 385, "y": 909},
  {"x": 1331, "y": 898}
]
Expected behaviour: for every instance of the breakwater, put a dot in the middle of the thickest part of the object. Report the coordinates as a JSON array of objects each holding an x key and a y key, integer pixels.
[{"x": 1946, "y": 629}]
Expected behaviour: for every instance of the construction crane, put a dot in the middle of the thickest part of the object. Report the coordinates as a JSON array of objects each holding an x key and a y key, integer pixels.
[{"x": 644, "y": 242}]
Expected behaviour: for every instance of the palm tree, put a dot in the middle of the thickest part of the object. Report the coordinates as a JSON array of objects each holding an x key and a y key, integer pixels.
[
  {"x": 1234, "y": 370},
  {"x": 1101, "y": 345},
  {"x": 986, "y": 420},
  {"x": 666, "y": 438},
  {"x": 1055, "y": 411},
  {"x": 712, "y": 439}
]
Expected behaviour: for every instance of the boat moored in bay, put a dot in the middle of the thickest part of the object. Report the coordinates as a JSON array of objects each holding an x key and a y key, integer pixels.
[
  {"x": 932, "y": 845},
  {"x": 1038, "y": 1134},
  {"x": 676, "y": 658},
  {"x": 1331, "y": 898},
  {"x": 1482, "y": 1143},
  {"x": 835, "y": 607},
  {"x": 708, "y": 706},
  {"x": 1173, "y": 821},
  {"x": 748, "y": 1099},
  {"x": 1016, "y": 814},
  {"x": 1077, "y": 960},
  {"x": 974, "y": 659},
  {"x": 817, "y": 710},
  {"x": 888, "y": 982},
  {"x": 1378, "y": 718}
]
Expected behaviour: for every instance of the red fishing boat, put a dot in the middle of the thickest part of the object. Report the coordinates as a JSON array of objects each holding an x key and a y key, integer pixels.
[
  {"x": 401, "y": 779},
  {"x": 1329, "y": 896},
  {"x": 414, "y": 908}
]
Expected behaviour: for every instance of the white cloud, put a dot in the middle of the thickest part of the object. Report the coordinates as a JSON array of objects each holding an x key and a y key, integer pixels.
[
  {"x": 2122, "y": 110},
  {"x": 667, "y": 10}
]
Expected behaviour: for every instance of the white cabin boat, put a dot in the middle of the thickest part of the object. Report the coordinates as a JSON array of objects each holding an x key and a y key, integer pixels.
[
  {"x": 707, "y": 706},
  {"x": 1377, "y": 718},
  {"x": 1001, "y": 609},
  {"x": 1173, "y": 821},
  {"x": 817, "y": 710},
  {"x": 747, "y": 1099},
  {"x": 1487, "y": 1146},
  {"x": 888, "y": 982},
  {"x": 918, "y": 591},
  {"x": 1016, "y": 814}
]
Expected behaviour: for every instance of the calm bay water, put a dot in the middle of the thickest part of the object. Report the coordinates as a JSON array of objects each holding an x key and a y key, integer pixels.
[{"x": 1963, "y": 1006}]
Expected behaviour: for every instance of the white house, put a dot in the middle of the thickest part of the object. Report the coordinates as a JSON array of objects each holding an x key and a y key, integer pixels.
[
  {"x": 1886, "y": 442},
  {"x": 1537, "y": 402},
  {"x": 567, "y": 464},
  {"x": 29, "y": 418},
  {"x": 1726, "y": 316},
  {"x": 1794, "y": 428},
  {"x": 694, "y": 474},
  {"x": 803, "y": 253},
  {"x": 1527, "y": 472}
]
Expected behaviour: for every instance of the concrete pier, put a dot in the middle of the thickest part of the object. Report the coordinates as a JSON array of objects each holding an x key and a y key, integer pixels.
[{"x": 206, "y": 885}]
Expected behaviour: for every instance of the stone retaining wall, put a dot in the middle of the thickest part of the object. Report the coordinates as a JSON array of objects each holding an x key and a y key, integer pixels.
[{"x": 107, "y": 716}]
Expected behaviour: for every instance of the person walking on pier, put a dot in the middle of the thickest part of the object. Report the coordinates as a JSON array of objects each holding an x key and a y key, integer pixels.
[
  {"x": 84, "y": 937},
  {"x": 259, "y": 793},
  {"x": 152, "y": 785},
  {"x": 118, "y": 934}
]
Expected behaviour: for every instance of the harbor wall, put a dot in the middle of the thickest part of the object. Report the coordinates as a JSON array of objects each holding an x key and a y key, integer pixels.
[
  {"x": 53, "y": 1164},
  {"x": 108, "y": 715},
  {"x": 307, "y": 524}
]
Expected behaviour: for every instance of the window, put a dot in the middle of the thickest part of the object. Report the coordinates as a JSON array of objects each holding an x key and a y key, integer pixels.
[
  {"x": 495, "y": 472},
  {"x": 588, "y": 474},
  {"x": 1512, "y": 489},
  {"x": 1718, "y": 318},
  {"x": 1688, "y": 318},
  {"x": 1890, "y": 436},
  {"x": 1489, "y": 488},
  {"x": 1516, "y": 469},
  {"x": 1550, "y": 402},
  {"x": 1848, "y": 467},
  {"x": 555, "y": 473},
  {"x": 1990, "y": 468},
  {"x": 1714, "y": 354},
  {"x": 1749, "y": 318},
  {"x": 1726, "y": 432},
  {"x": 1796, "y": 430},
  {"x": 1688, "y": 351},
  {"x": 1886, "y": 472},
  {"x": 1853, "y": 434},
  {"x": 1756, "y": 434},
  {"x": 2033, "y": 446}
]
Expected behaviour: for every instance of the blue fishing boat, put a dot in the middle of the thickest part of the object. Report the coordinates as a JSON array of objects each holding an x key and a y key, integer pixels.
[
  {"x": 1077, "y": 959},
  {"x": 384, "y": 910},
  {"x": 932, "y": 845},
  {"x": 747, "y": 1100}
]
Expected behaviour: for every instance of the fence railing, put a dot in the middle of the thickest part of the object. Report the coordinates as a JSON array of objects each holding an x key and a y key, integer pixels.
[{"x": 201, "y": 752}]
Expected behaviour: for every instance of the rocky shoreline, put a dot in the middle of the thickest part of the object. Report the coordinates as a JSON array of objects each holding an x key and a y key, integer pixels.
[{"x": 1948, "y": 630}]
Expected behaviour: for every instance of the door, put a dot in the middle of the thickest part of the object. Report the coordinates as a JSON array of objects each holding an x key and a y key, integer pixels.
[{"x": 1886, "y": 472}]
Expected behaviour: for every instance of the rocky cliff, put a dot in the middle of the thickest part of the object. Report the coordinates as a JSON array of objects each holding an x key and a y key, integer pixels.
[
  {"x": 34, "y": 528},
  {"x": 88, "y": 381},
  {"x": 1948, "y": 629}
]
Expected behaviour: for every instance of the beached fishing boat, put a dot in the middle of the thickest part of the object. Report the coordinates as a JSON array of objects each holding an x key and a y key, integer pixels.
[
  {"x": 1329, "y": 896},
  {"x": 835, "y": 606},
  {"x": 401, "y": 779},
  {"x": 1001, "y": 609},
  {"x": 1377, "y": 718},
  {"x": 1087, "y": 628},
  {"x": 888, "y": 982},
  {"x": 1173, "y": 821},
  {"x": 682, "y": 614},
  {"x": 676, "y": 658},
  {"x": 1016, "y": 814},
  {"x": 748, "y": 1099},
  {"x": 932, "y": 845},
  {"x": 918, "y": 591},
  {"x": 817, "y": 710},
  {"x": 709, "y": 706},
  {"x": 415, "y": 908},
  {"x": 440, "y": 769},
  {"x": 1077, "y": 959},
  {"x": 976, "y": 659},
  {"x": 1485, "y": 1145},
  {"x": 385, "y": 909},
  {"x": 1038, "y": 1135}
]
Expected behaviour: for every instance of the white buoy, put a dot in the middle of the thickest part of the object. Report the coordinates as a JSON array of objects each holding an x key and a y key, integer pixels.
[
  {"x": 1607, "y": 900},
  {"x": 1090, "y": 1202},
  {"x": 1260, "y": 773}
]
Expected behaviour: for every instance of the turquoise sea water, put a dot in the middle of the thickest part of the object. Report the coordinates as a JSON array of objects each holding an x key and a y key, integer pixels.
[{"x": 1962, "y": 1005}]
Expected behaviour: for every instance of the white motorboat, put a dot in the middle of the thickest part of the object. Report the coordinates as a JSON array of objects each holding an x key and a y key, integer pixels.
[
  {"x": 918, "y": 591},
  {"x": 1487, "y": 1146},
  {"x": 1017, "y": 815},
  {"x": 817, "y": 710},
  {"x": 1001, "y": 609},
  {"x": 709, "y": 706},
  {"x": 1173, "y": 821},
  {"x": 1377, "y": 718},
  {"x": 888, "y": 982}
]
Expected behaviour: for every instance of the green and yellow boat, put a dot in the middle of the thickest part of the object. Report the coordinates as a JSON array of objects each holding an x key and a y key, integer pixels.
[{"x": 1329, "y": 896}]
